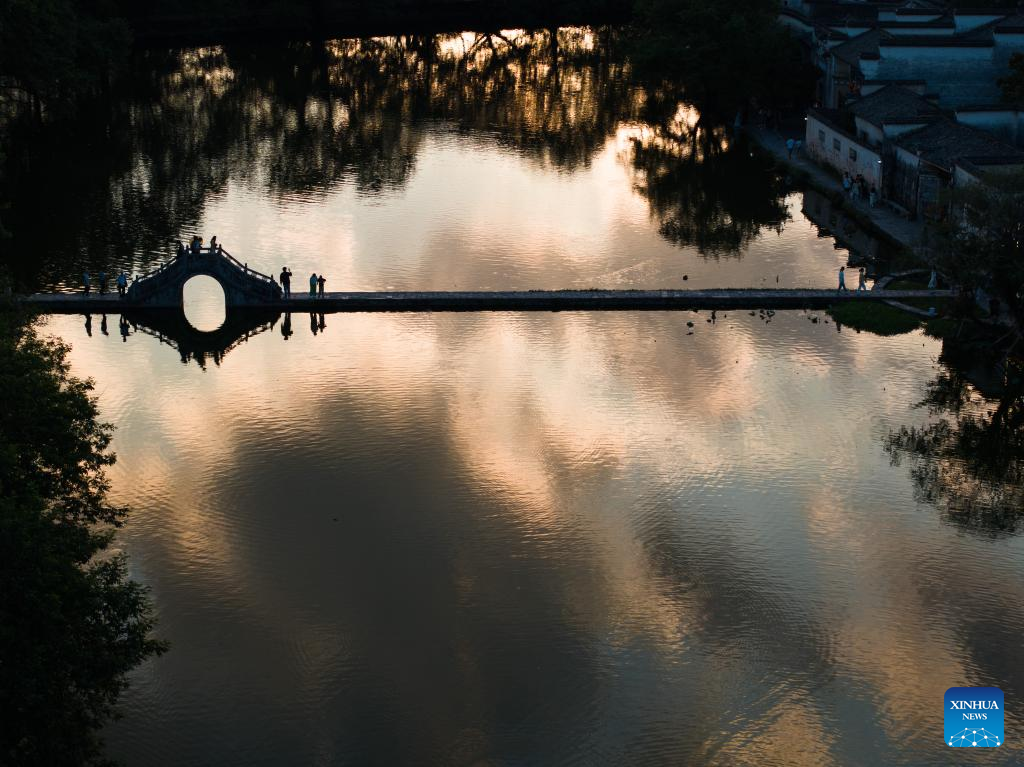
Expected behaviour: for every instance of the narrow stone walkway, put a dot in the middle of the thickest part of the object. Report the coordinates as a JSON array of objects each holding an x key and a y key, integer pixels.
[
  {"x": 899, "y": 228},
  {"x": 517, "y": 300}
]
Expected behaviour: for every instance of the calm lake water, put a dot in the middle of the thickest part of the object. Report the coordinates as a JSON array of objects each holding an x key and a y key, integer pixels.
[{"x": 549, "y": 538}]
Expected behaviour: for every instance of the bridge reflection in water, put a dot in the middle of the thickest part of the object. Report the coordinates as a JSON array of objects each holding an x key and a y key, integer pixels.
[{"x": 171, "y": 327}]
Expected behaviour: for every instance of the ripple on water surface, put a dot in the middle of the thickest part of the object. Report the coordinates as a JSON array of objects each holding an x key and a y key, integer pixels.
[{"x": 530, "y": 537}]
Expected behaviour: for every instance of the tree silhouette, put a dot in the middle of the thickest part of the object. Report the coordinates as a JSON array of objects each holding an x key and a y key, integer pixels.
[{"x": 969, "y": 461}]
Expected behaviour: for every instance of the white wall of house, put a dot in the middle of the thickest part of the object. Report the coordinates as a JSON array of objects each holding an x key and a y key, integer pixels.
[
  {"x": 908, "y": 17},
  {"x": 836, "y": 149},
  {"x": 966, "y": 21},
  {"x": 804, "y": 30},
  {"x": 872, "y": 133},
  {"x": 892, "y": 130},
  {"x": 850, "y": 30},
  {"x": 963, "y": 176},
  {"x": 959, "y": 75},
  {"x": 1007, "y": 44},
  {"x": 1007, "y": 124},
  {"x": 921, "y": 31},
  {"x": 869, "y": 87},
  {"x": 906, "y": 157},
  {"x": 896, "y": 49}
]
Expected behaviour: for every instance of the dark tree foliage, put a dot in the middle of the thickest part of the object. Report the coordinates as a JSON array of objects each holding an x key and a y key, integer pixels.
[
  {"x": 55, "y": 52},
  {"x": 72, "y": 625},
  {"x": 691, "y": 187},
  {"x": 969, "y": 462},
  {"x": 981, "y": 244},
  {"x": 722, "y": 54}
]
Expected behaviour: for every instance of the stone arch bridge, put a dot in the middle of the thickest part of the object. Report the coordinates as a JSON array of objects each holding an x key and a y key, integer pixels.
[
  {"x": 246, "y": 289},
  {"x": 243, "y": 287}
]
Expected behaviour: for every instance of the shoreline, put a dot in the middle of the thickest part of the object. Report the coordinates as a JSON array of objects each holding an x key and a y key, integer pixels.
[{"x": 879, "y": 221}]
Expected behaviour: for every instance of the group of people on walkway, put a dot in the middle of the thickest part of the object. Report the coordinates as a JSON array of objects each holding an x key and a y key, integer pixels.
[
  {"x": 196, "y": 246},
  {"x": 856, "y": 188},
  {"x": 862, "y": 279},
  {"x": 316, "y": 283},
  {"x": 121, "y": 281}
]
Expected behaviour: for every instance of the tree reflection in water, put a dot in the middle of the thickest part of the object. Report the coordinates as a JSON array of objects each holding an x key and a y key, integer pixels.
[
  {"x": 302, "y": 118},
  {"x": 969, "y": 462},
  {"x": 705, "y": 190}
]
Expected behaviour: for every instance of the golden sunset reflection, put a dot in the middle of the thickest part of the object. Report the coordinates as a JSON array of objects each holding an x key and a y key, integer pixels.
[{"x": 590, "y": 443}]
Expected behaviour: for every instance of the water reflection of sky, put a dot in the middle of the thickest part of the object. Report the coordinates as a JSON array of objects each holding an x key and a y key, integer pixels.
[
  {"x": 475, "y": 217},
  {"x": 419, "y": 163},
  {"x": 585, "y": 537}
]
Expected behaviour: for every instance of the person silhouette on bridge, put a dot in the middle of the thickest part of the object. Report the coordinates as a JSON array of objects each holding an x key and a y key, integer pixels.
[
  {"x": 122, "y": 283},
  {"x": 842, "y": 279},
  {"x": 85, "y": 282},
  {"x": 862, "y": 280},
  {"x": 103, "y": 283},
  {"x": 286, "y": 282},
  {"x": 320, "y": 282},
  {"x": 312, "y": 285}
]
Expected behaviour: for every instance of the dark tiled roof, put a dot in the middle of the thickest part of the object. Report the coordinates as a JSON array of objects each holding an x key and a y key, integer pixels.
[
  {"x": 866, "y": 43},
  {"x": 943, "y": 143},
  {"x": 1012, "y": 23},
  {"x": 891, "y": 104}
]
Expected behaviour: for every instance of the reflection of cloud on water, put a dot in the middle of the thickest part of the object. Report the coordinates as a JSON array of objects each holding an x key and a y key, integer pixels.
[{"x": 683, "y": 502}]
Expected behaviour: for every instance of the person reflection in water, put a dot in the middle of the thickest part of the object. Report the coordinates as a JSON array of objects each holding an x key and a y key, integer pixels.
[
  {"x": 88, "y": 325},
  {"x": 124, "y": 329},
  {"x": 103, "y": 325},
  {"x": 312, "y": 323},
  {"x": 286, "y": 326},
  {"x": 320, "y": 323}
]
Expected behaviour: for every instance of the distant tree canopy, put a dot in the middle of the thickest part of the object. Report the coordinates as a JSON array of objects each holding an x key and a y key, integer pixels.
[
  {"x": 54, "y": 51},
  {"x": 71, "y": 623},
  {"x": 721, "y": 53}
]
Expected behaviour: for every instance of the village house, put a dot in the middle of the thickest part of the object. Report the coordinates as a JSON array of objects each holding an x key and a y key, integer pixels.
[
  {"x": 854, "y": 140},
  {"x": 906, "y": 148},
  {"x": 933, "y": 158},
  {"x": 957, "y": 56}
]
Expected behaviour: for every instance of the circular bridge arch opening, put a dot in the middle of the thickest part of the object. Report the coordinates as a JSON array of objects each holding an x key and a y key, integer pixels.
[{"x": 204, "y": 303}]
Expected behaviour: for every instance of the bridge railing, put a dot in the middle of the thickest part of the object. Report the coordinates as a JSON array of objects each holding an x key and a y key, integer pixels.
[
  {"x": 245, "y": 267},
  {"x": 140, "y": 283}
]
